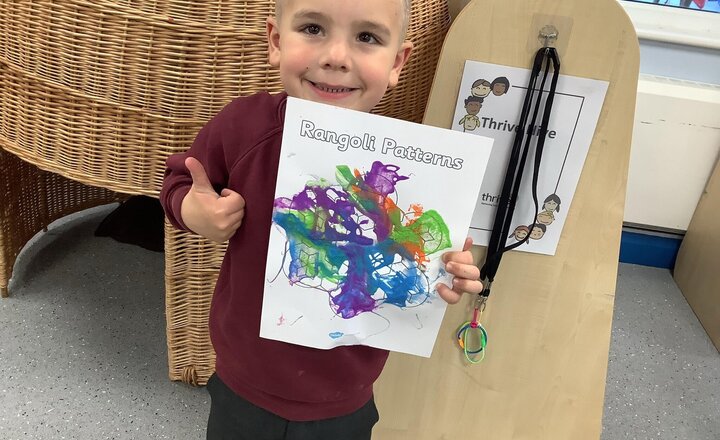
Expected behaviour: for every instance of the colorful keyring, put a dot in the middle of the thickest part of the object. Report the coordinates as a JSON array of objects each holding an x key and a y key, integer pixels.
[{"x": 462, "y": 333}]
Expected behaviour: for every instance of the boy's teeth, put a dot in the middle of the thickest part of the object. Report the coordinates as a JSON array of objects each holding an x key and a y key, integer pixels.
[{"x": 332, "y": 90}]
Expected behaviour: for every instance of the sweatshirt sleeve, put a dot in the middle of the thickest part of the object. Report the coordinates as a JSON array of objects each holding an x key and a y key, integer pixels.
[
  {"x": 208, "y": 149},
  {"x": 227, "y": 137}
]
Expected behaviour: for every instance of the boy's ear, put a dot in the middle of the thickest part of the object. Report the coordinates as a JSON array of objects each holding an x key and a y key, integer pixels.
[
  {"x": 400, "y": 59},
  {"x": 273, "y": 35}
]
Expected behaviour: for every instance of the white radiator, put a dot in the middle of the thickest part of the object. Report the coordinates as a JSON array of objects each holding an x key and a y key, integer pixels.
[{"x": 676, "y": 141}]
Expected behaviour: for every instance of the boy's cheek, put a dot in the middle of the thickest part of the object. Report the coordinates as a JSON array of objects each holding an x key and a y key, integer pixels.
[{"x": 296, "y": 61}]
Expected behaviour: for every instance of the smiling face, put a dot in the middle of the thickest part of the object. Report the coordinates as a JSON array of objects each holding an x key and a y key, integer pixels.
[
  {"x": 473, "y": 107},
  {"x": 346, "y": 53},
  {"x": 521, "y": 233},
  {"x": 481, "y": 90},
  {"x": 499, "y": 89},
  {"x": 537, "y": 233},
  {"x": 545, "y": 218}
]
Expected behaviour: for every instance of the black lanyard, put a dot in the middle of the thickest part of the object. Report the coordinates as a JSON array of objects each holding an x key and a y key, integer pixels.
[{"x": 545, "y": 58}]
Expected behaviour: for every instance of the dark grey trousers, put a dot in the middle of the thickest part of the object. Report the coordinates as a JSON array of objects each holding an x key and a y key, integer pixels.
[{"x": 234, "y": 418}]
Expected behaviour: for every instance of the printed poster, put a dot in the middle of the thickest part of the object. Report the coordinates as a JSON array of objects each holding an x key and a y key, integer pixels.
[
  {"x": 364, "y": 208},
  {"x": 489, "y": 104}
]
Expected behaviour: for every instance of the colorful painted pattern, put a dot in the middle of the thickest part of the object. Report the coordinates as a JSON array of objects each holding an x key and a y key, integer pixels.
[{"x": 353, "y": 242}]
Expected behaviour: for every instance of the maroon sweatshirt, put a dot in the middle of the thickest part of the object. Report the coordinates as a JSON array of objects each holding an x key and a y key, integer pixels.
[{"x": 240, "y": 150}]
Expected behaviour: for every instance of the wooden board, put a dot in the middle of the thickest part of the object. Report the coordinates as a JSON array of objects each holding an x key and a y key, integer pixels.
[
  {"x": 549, "y": 317},
  {"x": 696, "y": 270}
]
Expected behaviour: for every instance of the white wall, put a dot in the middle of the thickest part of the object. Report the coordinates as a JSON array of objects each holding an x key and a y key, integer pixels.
[
  {"x": 676, "y": 137},
  {"x": 676, "y": 141}
]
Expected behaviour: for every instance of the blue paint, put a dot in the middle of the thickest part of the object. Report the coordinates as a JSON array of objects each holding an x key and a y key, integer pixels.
[{"x": 336, "y": 335}]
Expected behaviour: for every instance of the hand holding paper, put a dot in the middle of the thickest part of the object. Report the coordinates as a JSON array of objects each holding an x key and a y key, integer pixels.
[
  {"x": 213, "y": 216},
  {"x": 466, "y": 274}
]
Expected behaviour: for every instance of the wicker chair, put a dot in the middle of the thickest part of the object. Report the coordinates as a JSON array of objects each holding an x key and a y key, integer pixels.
[
  {"x": 102, "y": 92},
  {"x": 31, "y": 199}
]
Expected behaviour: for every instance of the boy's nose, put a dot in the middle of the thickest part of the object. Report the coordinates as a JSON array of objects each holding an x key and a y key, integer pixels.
[{"x": 336, "y": 55}]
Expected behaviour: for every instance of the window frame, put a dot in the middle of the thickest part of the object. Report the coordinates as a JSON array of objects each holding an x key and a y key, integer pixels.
[{"x": 674, "y": 25}]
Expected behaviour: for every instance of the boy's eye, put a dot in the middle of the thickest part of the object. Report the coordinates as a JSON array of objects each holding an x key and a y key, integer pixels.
[
  {"x": 312, "y": 29},
  {"x": 367, "y": 37}
]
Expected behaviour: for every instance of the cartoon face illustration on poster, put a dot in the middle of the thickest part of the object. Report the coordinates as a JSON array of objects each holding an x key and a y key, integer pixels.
[
  {"x": 520, "y": 233},
  {"x": 480, "y": 88},
  {"x": 500, "y": 86},
  {"x": 470, "y": 121},
  {"x": 552, "y": 203},
  {"x": 545, "y": 218},
  {"x": 538, "y": 231}
]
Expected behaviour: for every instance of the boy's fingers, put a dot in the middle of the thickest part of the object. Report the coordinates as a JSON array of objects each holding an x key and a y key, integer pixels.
[
  {"x": 235, "y": 196},
  {"x": 463, "y": 256},
  {"x": 198, "y": 174},
  {"x": 460, "y": 286},
  {"x": 468, "y": 244},
  {"x": 237, "y": 225},
  {"x": 468, "y": 271},
  {"x": 467, "y": 285},
  {"x": 235, "y": 201},
  {"x": 447, "y": 294}
]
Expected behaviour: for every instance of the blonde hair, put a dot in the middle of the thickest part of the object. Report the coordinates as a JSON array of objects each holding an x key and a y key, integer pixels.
[{"x": 407, "y": 5}]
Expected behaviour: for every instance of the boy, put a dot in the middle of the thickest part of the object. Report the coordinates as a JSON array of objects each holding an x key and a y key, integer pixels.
[{"x": 341, "y": 52}]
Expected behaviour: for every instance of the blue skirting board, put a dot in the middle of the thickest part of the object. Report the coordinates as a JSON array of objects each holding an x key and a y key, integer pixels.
[{"x": 648, "y": 249}]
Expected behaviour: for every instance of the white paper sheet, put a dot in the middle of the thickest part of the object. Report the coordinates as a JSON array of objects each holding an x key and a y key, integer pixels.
[
  {"x": 364, "y": 208},
  {"x": 574, "y": 116}
]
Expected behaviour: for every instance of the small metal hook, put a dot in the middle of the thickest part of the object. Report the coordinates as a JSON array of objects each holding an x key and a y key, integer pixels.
[
  {"x": 480, "y": 302},
  {"x": 548, "y": 35}
]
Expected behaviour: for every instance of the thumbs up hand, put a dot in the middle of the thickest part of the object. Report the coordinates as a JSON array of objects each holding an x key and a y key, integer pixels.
[{"x": 213, "y": 216}]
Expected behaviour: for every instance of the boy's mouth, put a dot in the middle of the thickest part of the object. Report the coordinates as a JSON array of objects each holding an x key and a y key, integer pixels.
[{"x": 327, "y": 88}]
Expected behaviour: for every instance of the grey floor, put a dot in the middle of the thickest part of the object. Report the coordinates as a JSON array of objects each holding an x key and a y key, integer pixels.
[{"x": 82, "y": 349}]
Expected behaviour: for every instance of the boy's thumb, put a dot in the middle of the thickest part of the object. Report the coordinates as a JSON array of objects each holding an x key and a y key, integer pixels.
[{"x": 198, "y": 174}]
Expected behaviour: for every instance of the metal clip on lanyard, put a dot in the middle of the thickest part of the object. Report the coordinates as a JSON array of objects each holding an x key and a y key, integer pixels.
[
  {"x": 474, "y": 330},
  {"x": 545, "y": 60}
]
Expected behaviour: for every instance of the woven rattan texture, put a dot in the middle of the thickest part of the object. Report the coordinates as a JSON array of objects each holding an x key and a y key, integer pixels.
[
  {"x": 95, "y": 142},
  {"x": 191, "y": 269},
  {"x": 31, "y": 199},
  {"x": 115, "y": 87}
]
